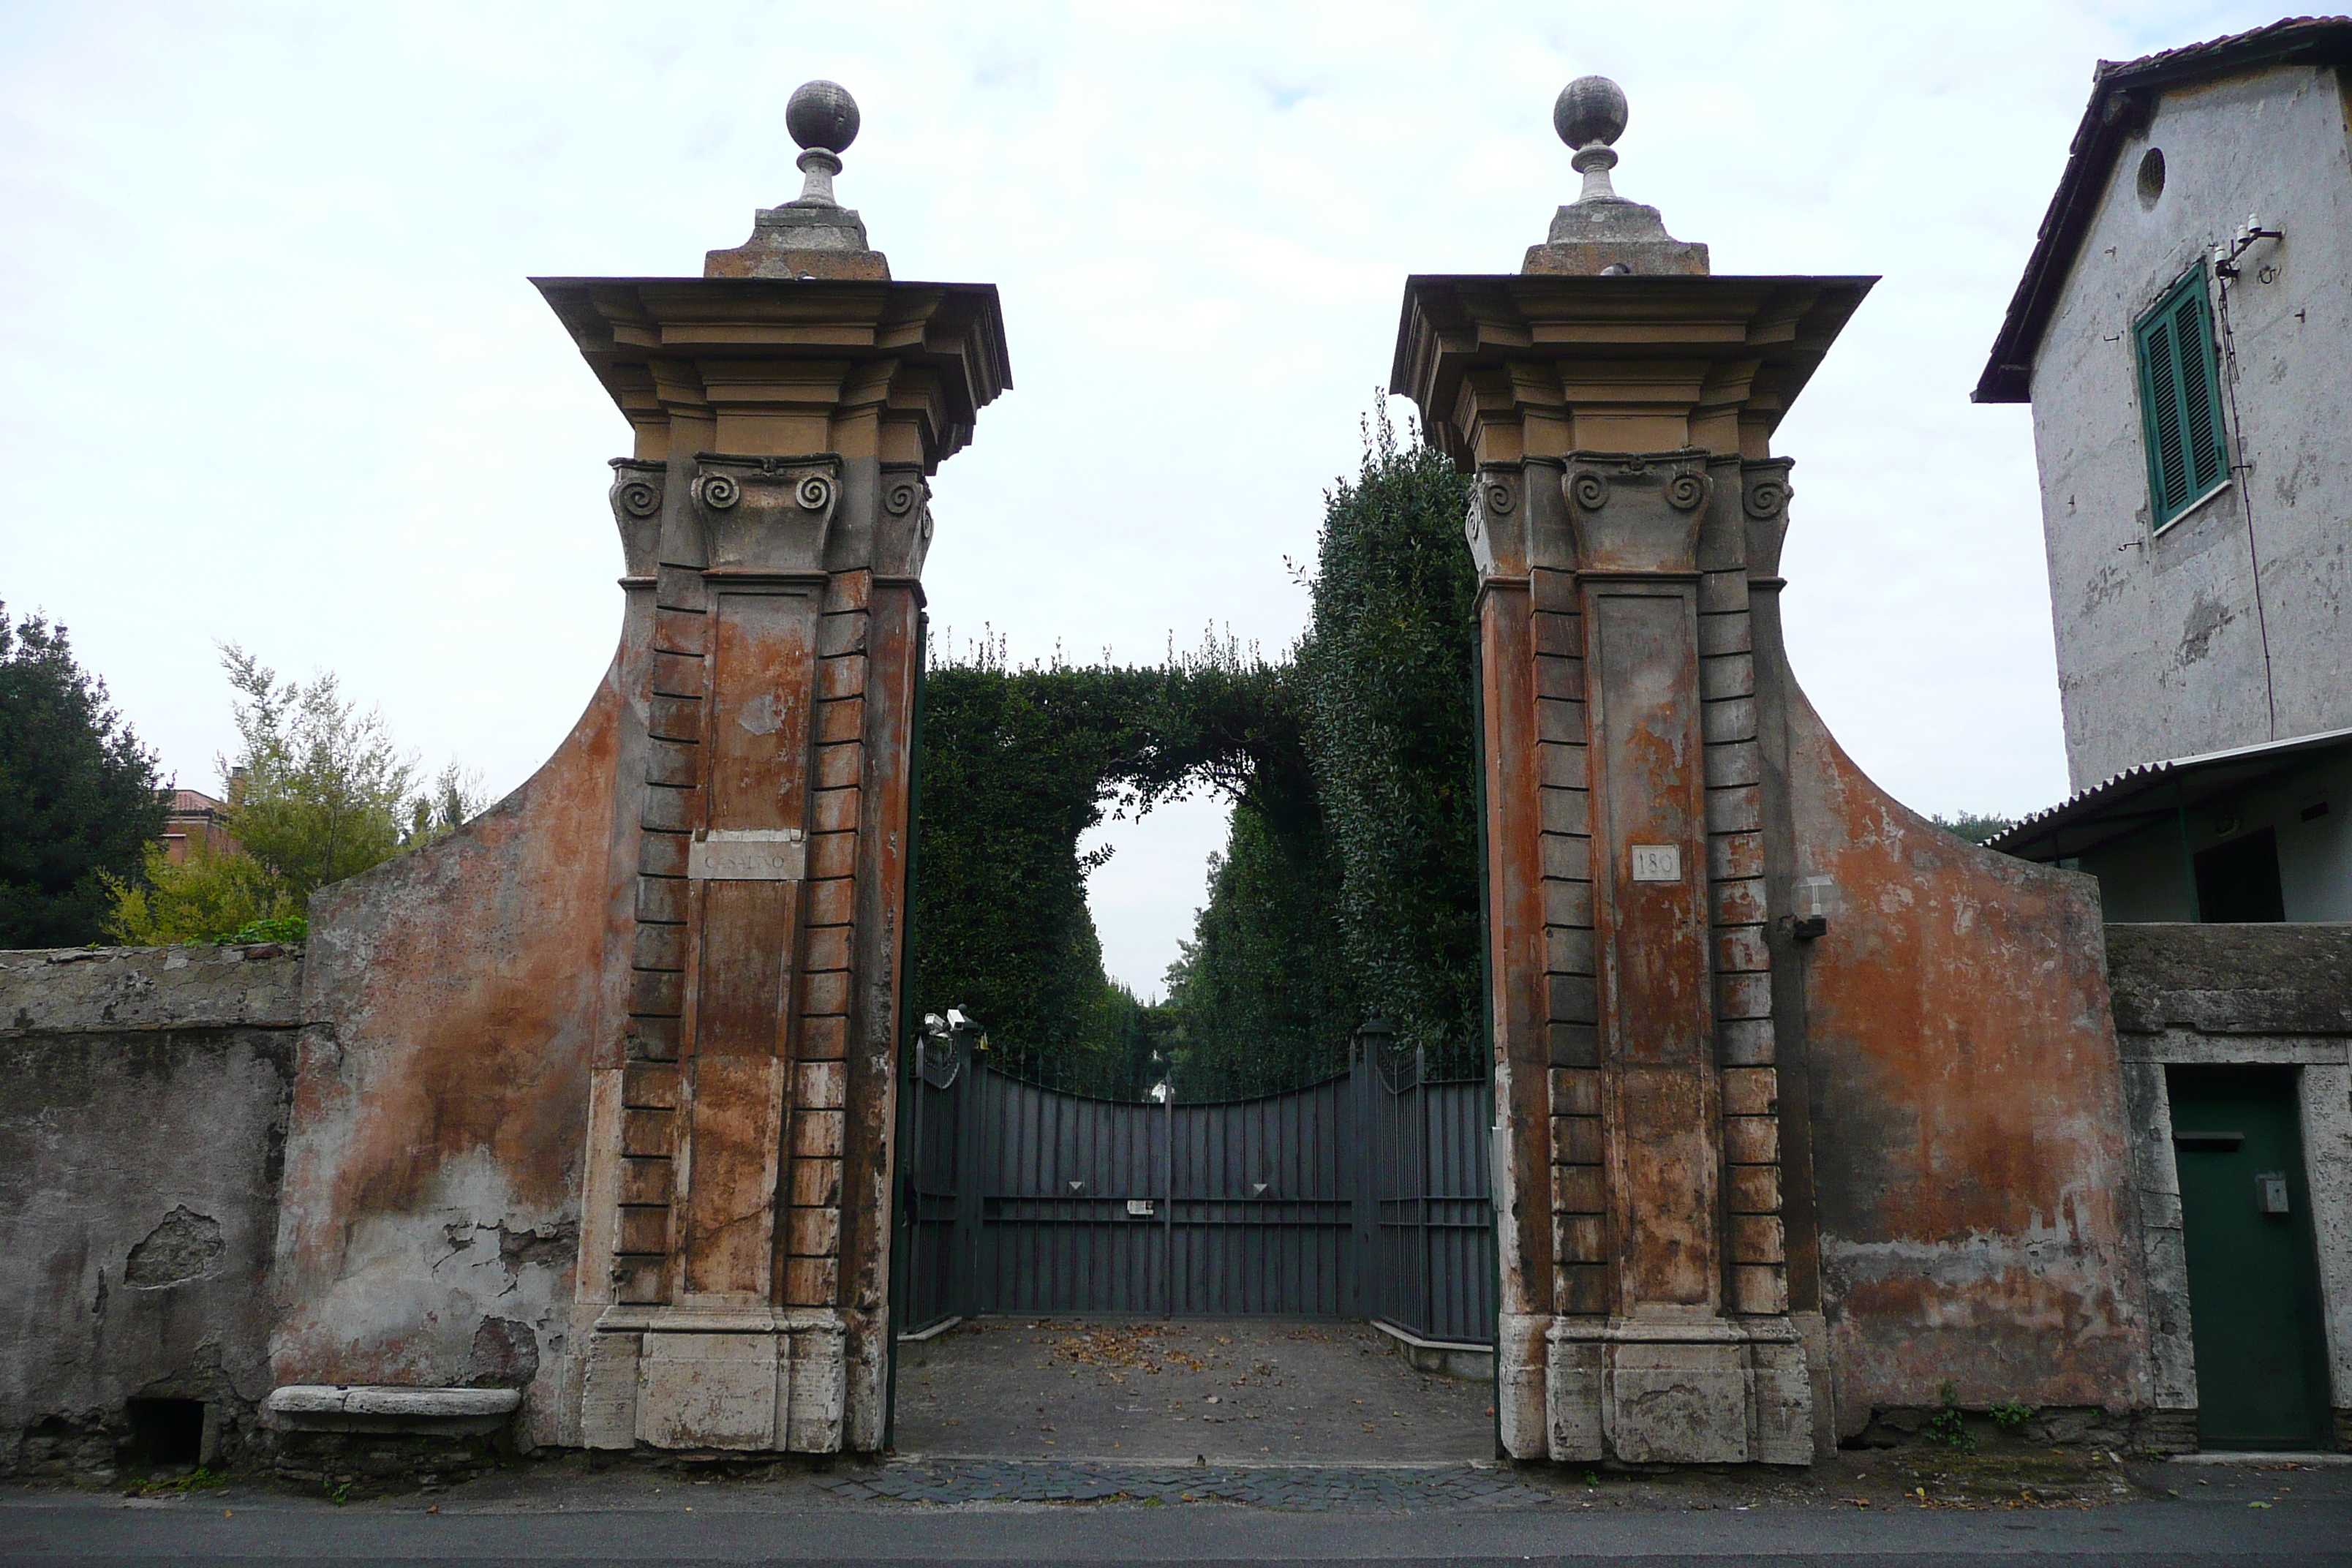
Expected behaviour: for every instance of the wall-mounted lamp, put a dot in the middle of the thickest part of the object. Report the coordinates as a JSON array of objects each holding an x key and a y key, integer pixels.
[{"x": 1816, "y": 900}]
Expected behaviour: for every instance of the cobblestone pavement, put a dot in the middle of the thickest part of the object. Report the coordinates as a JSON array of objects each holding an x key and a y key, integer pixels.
[{"x": 1399, "y": 1488}]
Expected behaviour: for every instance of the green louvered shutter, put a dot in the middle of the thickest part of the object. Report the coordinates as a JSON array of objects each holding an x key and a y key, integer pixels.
[{"x": 2180, "y": 398}]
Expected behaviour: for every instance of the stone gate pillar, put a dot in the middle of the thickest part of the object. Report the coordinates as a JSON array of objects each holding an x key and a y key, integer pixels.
[
  {"x": 789, "y": 408},
  {"x": 1616, "y": 403}
]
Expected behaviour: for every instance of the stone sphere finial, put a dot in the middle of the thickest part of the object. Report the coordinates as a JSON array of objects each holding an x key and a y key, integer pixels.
[
  {"x": 1590, "y": 111},
  {"x": 821, "y": 115}
]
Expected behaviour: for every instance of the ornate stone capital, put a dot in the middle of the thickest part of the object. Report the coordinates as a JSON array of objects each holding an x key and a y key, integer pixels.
[
  {"x": 766, "y": 517},
  {"x": 636, "y": 496},
  {"x": 1637, "y": 512},
  {"x": 1516, "y": 520},
  {"x": 1764, "y": 492},
  {"x": 902, "y": 532},
  {"x": 1495, "y": 524}
]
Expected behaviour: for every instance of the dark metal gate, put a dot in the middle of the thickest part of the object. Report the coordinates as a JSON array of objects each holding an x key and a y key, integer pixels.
[{"x": 1365, "y": 1195}]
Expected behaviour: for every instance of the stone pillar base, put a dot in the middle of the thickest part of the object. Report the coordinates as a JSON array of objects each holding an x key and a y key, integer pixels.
[
  {"x": 1675, "y": 1390},
  {"x": 748, "y": 1380}
]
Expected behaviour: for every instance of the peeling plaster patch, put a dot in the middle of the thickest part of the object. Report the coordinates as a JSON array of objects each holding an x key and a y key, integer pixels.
[
  {"x": 2206, "y": 616},
  {"x": 186, "y": 1245},
  {"x": 762, "y": 715},
  {"x": 414, "y": 1292},
  {"x": 505, "y": 1356},
  {"x": 1984, "y": 1278}
]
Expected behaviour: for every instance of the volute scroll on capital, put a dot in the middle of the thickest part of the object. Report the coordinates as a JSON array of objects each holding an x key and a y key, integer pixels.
[
  {"x": 1765, "y": 494},
  {"x": 1490, "y": 524},
  {"x": 1637, "y": 512},
  {"x": 766, "y": 516},
  {"x": 638, "y": 488},
  {"x": 1514, "y": 522},
  {"x": 902, "y": 533}
]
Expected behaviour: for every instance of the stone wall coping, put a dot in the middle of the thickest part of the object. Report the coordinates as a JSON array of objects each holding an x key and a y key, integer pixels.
[
  {"x": 2269, "y": 979},
  {"x": 110, "y": 990},
  {"x": 418, "y": 1404}
]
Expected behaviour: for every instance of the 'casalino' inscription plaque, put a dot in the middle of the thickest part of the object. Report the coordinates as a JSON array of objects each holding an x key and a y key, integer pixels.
[{"x": 748, "y": 854}]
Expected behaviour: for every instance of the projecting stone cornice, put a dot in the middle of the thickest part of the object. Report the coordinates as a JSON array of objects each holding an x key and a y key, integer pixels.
[
  {"x": 1505, "y": 366},
  {"x": 898, "y": 371}
]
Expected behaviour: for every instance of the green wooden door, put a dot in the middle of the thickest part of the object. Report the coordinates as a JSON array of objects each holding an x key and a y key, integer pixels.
[{"x": 2254, "y": 1292}]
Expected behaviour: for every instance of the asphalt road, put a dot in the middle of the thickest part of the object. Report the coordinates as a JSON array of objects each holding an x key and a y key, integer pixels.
[{"x": 652, "y": 1517}]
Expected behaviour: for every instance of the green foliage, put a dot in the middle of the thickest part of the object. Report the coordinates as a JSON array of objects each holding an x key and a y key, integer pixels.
[
  {"x": 78, "y": 797},
  {"x": 2009, "y": 1415},
  {"x": 1261, "y": 996},
  {"x": 1950, "y": 1425},
  {"x": 1348, "y": 881},
  {"x": 1388, "y": 673},
  {"x": 1017, "y": 766},
  {"x": 1974, "y": 828},
  {"x": 318, "y": 792},
  {"x": 200, "y": 1479},
  {"x": 210, "y": 896}
]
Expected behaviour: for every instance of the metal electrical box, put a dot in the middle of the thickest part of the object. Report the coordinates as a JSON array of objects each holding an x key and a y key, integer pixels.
[{"x": 2271, "y": 1192}]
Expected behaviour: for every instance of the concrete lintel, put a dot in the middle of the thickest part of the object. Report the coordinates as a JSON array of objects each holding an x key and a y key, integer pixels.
[{"x": 2187, "y": 1048}]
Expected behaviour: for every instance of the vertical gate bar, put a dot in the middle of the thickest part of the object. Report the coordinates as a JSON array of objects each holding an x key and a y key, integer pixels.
[
  {"x": 1089, "y": 1147},
  {"x": 1061, "y": 1269},
  {"x": 1366, "y": 1135},
  {"x": 1420, "y": 1164},
  {"x": 1168, "y": 1206},
  {"x": 1031, "y": 1181},
  {"x": 1267, "y": 1250}
]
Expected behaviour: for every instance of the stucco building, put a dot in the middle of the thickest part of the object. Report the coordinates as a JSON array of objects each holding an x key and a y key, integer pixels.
[{"x": 2183, "y": 331}]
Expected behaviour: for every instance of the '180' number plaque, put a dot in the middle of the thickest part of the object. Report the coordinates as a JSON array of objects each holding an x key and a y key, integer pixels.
[{"x": 1657, "y": 862}]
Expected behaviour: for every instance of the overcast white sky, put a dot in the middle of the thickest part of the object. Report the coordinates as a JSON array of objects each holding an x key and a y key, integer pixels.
[{"x": 273, "y": 373}]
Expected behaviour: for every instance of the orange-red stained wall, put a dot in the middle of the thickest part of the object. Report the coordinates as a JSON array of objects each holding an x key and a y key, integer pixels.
[
  {"x": 430, "y": 1214},
  {"x": 1969, "y": 1145}
]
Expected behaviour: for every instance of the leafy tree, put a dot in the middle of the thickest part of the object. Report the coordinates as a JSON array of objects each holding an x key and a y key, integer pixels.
[
  {"x": 1262, "y": 993},
  {"x": 79, "y": 797},
  {"x": 1349, "y": 881},
  {"x": 1974, "y": 828},
  {"x": 1387, "y": 668},
  {"x": 212, "y": 896},
  {"x": 1017, "y": 765},
  {"x": 318, "y": 792}
]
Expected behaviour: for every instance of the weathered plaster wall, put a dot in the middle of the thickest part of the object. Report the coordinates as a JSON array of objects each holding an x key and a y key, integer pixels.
[
  {"x": 2229, "y": 994},
  {"x": 1970, "y": 1163},
  {"x": 141, "y": 1145},
  {"x": 431, "y": 1215},
  {"x": 2160, "y": 649}
]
